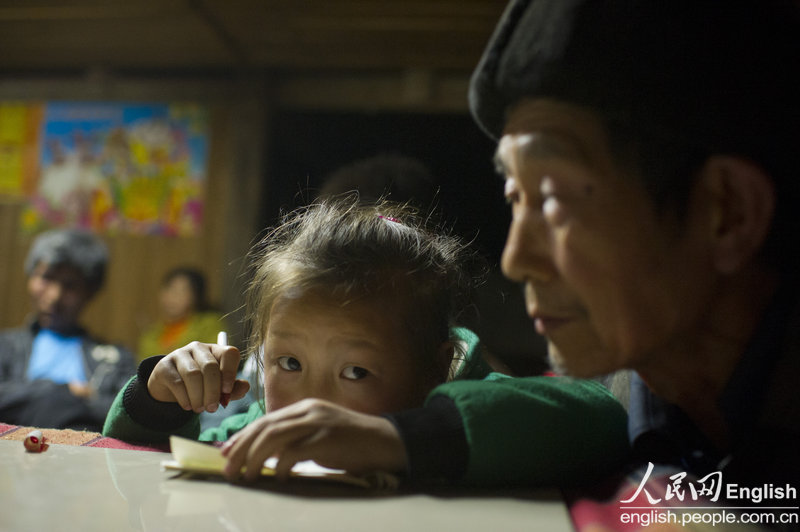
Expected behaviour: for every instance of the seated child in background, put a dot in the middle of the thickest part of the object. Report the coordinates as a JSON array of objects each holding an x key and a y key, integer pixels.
[
  {"x": 185, "y": 316},
  {"x": 352, "y": 305}
]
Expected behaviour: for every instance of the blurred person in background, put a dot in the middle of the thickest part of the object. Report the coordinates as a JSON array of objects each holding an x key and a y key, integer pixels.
[
  {"x": 53, "y": 373},
  {"x": 186, "y": 316}
]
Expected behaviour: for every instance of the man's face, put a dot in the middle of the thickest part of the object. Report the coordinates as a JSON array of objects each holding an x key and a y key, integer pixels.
[
  {"x": 59, "y": 294},
  {"x": 606, "y": 281}
]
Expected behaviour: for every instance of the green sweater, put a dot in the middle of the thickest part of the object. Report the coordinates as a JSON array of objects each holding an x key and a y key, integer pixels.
[
  {"x": 553, "y": 431},
  {"x": 543, "y": 431}
]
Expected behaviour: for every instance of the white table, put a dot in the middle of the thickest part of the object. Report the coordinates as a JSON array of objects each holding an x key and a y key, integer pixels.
[{"x": 82, "y": 488}]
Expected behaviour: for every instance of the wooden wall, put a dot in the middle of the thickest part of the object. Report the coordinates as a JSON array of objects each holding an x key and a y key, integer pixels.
[
  {"x": 128, "y": 303},
  {"x": 236, "y": 185}
]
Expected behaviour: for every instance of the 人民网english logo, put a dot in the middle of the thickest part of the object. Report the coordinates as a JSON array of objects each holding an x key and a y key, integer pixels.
[{"x": 677, "y": 498}]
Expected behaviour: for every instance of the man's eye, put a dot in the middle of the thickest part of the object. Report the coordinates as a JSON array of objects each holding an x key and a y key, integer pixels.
[
  {"x": 354, "y": 373},
  {"x": 289, "y": 363},
  {"x": 553, "y": 205},
  {"x": 550, "y": 206}
]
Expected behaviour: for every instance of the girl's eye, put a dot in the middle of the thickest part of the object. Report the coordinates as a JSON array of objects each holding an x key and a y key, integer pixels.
[
  {"x": 354, "y": 373},
  {"x": 289, "y": 363}
]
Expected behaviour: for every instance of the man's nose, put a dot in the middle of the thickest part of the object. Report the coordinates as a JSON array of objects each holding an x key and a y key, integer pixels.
[{"x": 527, "y": 254}]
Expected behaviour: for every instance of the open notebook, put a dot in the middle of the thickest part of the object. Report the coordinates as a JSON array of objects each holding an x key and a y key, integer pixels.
[{"x": 190, "y": 456}]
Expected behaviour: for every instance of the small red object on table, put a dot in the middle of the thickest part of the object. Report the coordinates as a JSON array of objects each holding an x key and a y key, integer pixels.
[{"x": 35, "y": 442}]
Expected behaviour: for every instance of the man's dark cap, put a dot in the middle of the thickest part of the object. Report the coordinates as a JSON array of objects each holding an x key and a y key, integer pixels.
[{"x": 717, "y": 74}]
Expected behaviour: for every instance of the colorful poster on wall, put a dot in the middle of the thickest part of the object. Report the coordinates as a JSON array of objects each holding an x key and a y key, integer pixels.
[{"x": 111, "y": 167}]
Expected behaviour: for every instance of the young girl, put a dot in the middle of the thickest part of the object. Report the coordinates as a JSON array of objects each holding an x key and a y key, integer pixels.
[
  {"x": 352, "y": 312},
  {"x": 351, "y": 304}
]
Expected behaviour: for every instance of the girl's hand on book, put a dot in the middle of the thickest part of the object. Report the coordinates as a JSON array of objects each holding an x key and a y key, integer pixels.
[
  {"x": 196, "y": 377},
  {"x": 313, "y": 429}
]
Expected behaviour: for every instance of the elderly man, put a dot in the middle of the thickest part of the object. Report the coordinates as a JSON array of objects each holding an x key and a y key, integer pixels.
[
  {"x": 52, "y": 372},
  {"x": 649, "y": 155}
]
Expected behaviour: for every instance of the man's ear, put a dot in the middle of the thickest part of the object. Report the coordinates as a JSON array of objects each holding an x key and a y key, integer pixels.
[{"x": 743, "y": 203}]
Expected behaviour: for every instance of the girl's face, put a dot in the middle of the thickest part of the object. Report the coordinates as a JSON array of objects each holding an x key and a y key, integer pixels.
[{"x": 355, "y": 355}]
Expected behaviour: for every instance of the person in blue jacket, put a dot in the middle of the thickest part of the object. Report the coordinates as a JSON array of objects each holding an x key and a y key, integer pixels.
[{"x": 53, "y": 372}]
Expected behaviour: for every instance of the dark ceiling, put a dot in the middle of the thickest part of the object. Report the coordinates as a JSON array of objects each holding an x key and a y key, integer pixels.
[{"x": 47, "y": 35}]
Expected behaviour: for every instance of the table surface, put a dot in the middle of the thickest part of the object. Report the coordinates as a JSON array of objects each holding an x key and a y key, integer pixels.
[{"x": 85, "y": 488}]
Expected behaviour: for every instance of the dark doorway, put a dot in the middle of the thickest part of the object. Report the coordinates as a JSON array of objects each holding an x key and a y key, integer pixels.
[{"x": 307, "y": 146}]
